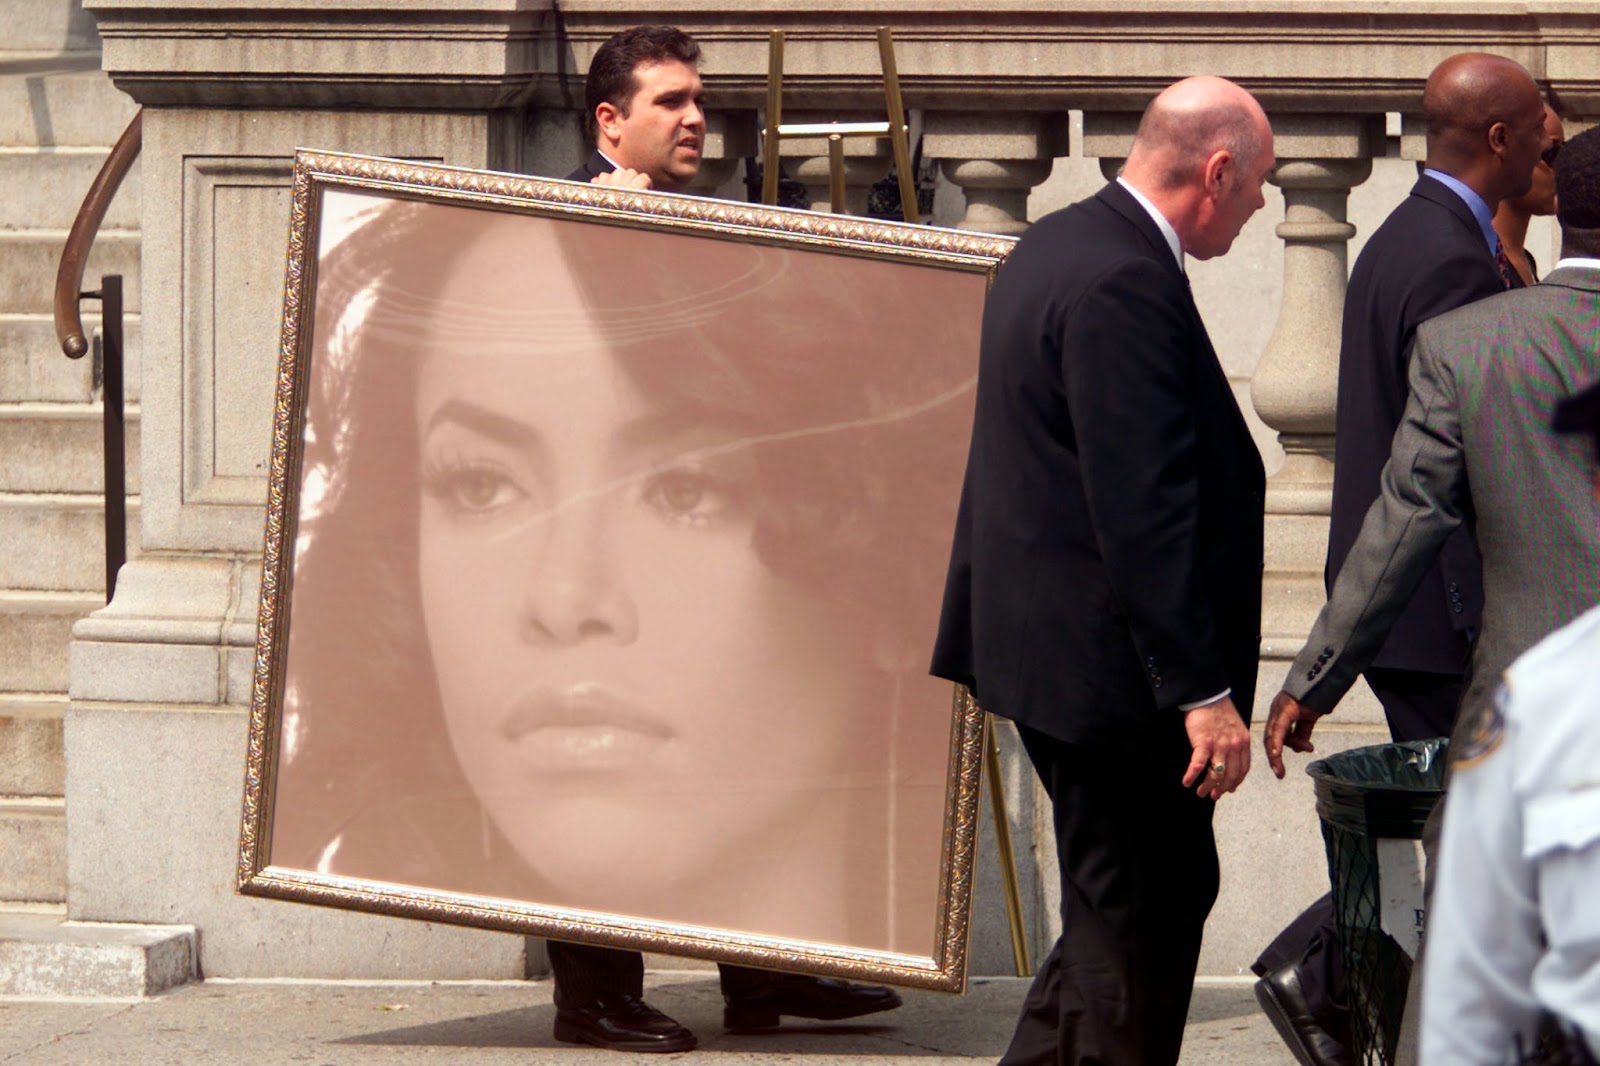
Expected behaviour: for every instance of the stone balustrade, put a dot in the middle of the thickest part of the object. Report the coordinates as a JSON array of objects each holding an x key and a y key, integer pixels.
[{"x": 232, "y": 89}]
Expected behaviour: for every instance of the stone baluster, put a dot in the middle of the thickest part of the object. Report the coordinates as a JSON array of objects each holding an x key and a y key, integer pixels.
[
  {"x": 1295, "y": 385},
  {"x": 996, "y": 160}
]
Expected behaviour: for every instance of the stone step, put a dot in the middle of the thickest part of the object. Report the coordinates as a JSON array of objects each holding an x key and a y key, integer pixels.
[
  {"x": 1290, "y": 604},
  {"x": 35, "y": 628},
  {"x": 42, "y": 188},
  {"x": 33, "y": 368},
  {"x": 58, "y": 99},
  {"x": 43, "y": 956},
  {"x": 31, "y": 759},
  {"x": 49, "y": 25},
  {"x": 55, "y": 542},
  {"x": 61, "y": 447},
  {"x": 28, "y": 260},
  {"x": 33, "y": 849}
]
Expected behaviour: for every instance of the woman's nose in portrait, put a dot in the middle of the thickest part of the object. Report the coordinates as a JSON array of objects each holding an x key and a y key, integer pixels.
[{"x": 574, "y": 590}]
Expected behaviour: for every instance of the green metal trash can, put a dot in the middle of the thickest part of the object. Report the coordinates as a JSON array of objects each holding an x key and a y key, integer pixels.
[{"x": 1372, "y": 802}]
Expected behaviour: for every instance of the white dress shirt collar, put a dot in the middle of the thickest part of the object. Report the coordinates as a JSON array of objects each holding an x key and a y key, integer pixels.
[{"x": 1160, "y": 220}]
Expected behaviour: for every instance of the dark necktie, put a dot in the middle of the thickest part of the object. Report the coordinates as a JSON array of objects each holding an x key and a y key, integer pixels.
[{"x": 1508, "y": 273}]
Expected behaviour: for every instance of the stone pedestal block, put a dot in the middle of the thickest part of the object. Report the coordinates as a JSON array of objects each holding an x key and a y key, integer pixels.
[{"x": 159, "y": 843}]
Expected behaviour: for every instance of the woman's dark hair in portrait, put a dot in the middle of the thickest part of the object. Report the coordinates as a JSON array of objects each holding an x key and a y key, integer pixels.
[{"x": 858, "y": 448}]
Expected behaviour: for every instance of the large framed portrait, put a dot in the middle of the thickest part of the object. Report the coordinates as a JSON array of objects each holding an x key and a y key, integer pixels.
[{"x": 605, "y": 543}]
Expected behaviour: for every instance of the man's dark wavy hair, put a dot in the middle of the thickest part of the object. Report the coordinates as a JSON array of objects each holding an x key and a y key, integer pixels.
[
  {"x": 611, "y": 72},
  {"x": 1578, "y": 182}
]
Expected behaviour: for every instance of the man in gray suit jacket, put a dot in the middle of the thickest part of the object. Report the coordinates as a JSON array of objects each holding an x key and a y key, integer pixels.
[{"x": 1474, "y": 449}]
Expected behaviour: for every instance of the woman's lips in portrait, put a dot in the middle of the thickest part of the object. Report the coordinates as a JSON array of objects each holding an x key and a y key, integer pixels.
[{"x": 582, "y": 729}]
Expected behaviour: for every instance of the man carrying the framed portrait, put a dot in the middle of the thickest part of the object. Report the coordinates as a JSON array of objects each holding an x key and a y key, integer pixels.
[
  {"x": 644, "y": 111},
  {"x": 643, "y": 100}
]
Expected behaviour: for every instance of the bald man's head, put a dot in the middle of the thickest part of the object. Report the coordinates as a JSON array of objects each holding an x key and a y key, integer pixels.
[
  {"x": 1191, "y": 119},
  {"x": 1201, "y": 154},
  {"x": 1485, "y": 123}
]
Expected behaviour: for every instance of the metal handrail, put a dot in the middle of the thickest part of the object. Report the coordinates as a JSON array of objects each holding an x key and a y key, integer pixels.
[
  {"x": 75, "y": 254},
  {"x": 69, "y": 331}
]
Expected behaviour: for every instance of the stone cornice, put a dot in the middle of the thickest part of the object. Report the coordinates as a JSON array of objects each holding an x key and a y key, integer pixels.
[
  {"x": 468, "y": 55},
  {"x": 1019, "y": 55},
  {"x": 1051, "y": 55}
]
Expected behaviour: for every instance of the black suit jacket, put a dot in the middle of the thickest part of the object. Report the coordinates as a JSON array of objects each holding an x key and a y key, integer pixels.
[
  {"x": 594, "y": 166},
  {"x": 1428, "y": 257},
  {"x": 1108, "y": 548}
]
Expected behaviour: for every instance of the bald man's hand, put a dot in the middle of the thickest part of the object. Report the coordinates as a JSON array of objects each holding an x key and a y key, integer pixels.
[
  {"x": 1219, "y": 742},
  {"x": 623, "y": 178}
]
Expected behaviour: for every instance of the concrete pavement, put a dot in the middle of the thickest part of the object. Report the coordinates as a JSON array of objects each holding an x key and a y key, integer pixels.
[{"x": 494, "y": 1023}]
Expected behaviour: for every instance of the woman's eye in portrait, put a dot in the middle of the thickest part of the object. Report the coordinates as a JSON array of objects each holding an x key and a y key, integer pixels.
[
  {"x": 695, "y": 497},
  {"x": 469, "y": 487}
]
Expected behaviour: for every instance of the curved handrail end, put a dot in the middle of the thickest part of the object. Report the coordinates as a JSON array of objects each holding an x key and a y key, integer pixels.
[{"x": 69, "y": 274}]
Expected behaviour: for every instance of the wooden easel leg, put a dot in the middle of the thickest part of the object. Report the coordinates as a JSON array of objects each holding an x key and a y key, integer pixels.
[
  {"x": 899, "y": 141},
  {"x": 836, "y": 196},
  {"x": 1008, "y": 862},
  {"x": 769, "y": 139}
]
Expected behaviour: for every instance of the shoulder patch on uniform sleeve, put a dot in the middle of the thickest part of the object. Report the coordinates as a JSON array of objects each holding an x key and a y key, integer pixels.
[{"x": 1483, "y": 734}]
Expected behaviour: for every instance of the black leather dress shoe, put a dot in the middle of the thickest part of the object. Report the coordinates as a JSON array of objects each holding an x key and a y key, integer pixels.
[
  {"x": 618, "y": 1021},
  {"x": 799, "y": 996},
  {"x": 1284, "y": 1002}
]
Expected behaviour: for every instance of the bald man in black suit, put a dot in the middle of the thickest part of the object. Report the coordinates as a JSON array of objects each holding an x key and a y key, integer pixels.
[{"x": 1105, "y": 583}]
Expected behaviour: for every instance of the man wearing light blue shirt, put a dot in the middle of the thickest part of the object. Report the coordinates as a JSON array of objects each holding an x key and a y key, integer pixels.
[{"x": 1436, "y": 251}]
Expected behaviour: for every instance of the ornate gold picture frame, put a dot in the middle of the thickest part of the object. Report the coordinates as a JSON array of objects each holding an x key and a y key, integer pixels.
[{"x": 605, "y": 542}]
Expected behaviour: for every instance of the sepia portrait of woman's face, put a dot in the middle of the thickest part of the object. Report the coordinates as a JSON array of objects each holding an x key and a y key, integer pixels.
[
  {"x": 617, "y": 560},
  {"x": 609, "y": 647}
]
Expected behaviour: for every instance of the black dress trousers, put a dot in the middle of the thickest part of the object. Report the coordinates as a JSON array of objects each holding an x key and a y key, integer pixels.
[
  {"x": 1138, "y": 876},
  {"x": 583, "y": 972}
]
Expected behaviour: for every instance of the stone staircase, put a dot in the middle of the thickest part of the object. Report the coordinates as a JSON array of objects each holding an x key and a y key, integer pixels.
[{"x": 58, "y": 117}]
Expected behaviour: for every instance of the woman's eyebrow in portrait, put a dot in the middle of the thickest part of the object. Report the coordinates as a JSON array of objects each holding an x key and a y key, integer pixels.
[
  {"x": 685, "y": 423},
  {"x": 498, "y": 427}
]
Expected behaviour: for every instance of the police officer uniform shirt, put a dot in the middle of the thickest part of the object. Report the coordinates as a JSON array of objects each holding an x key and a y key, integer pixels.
[{"x": 1514, "y": 927}]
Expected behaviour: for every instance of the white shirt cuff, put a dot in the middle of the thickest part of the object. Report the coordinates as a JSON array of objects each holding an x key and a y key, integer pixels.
[{"x": 1195, "y": 706}]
